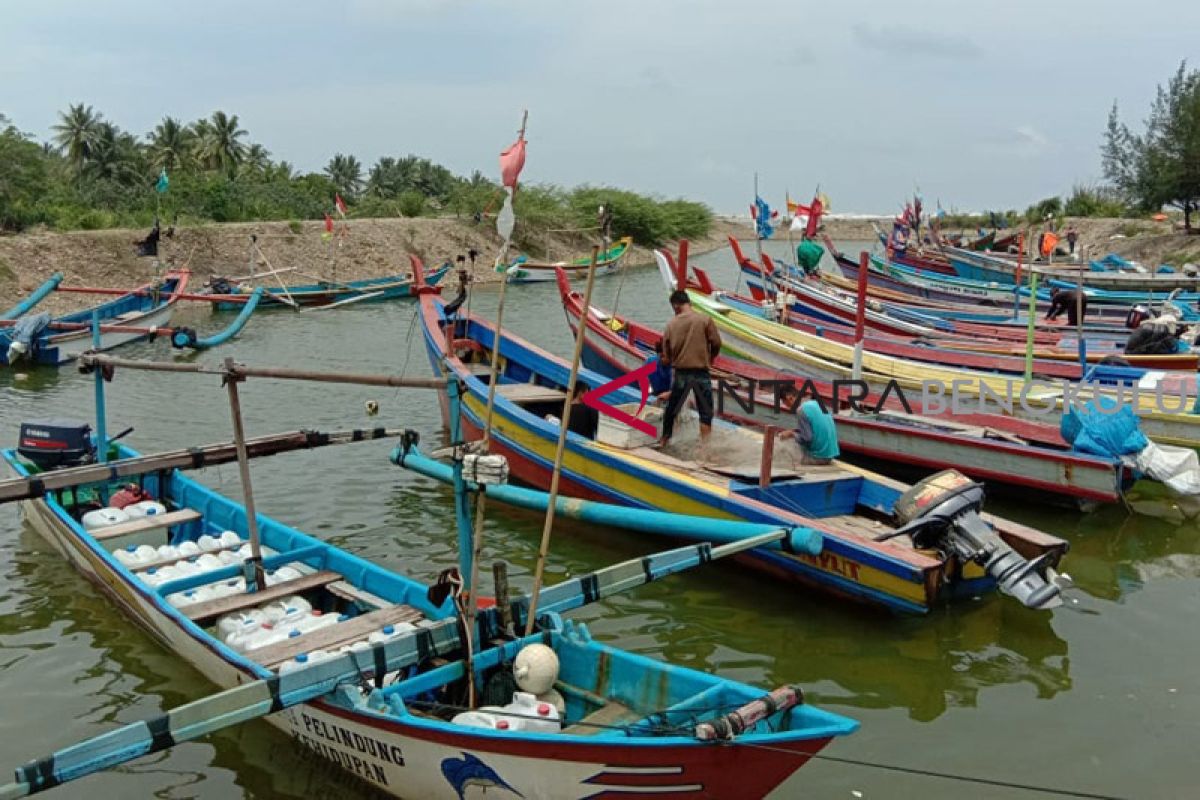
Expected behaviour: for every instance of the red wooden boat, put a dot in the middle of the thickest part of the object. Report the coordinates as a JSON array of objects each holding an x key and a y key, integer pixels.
[{"x": 994, "y": 448}]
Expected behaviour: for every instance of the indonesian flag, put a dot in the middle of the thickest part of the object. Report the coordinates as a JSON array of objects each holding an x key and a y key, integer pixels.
[
  {"x": 340, "y": 205},
  {"x": 512, "y": 161},
  {"x": 814, "y": 217},
  {"x": 328, "y": 224}
]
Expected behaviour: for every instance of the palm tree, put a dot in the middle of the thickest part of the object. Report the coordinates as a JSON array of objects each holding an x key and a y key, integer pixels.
[
  {"x": 346, "y": 174},
  {"x": 382, "y": 180},
  {"x": 257, "y": 158},
  {"x": 76, "y": 133},
  {"x": 219, "y": 147},
  {"x": 170, "y": 144},
  {"x": 281, "y": 171},
  {"x": 115, "y": 156}
]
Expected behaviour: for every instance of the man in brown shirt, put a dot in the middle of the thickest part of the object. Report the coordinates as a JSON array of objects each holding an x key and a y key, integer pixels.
[{"x": 690, "y": 343}]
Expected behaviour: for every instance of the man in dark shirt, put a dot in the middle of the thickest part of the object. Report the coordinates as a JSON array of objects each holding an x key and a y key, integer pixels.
[
  {"x": 1070, "y": 301},
  {"x": 690, "y": 343}
]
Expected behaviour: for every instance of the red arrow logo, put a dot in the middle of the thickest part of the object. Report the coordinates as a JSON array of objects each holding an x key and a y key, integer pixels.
[{"x": 642, "y": 376}]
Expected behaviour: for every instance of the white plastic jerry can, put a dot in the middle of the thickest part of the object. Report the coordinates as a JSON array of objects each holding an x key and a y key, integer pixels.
[{"x": 103, "y": 518}]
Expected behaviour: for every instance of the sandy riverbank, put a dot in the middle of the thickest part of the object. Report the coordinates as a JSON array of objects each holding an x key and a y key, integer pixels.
[{"x": 372, "y": 248}]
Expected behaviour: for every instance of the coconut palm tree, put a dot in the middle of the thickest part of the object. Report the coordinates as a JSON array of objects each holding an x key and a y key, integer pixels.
[
  {"x": 257, "y": 158},
  {"x": 280, "y": 171},
  {"x": 219, "y": 145},
  {"x": 170, "y": 144},
  {"x": 115, "y": 156},
  {"x": 76, "y": 133},
  {"x": 346, "y": 174}
]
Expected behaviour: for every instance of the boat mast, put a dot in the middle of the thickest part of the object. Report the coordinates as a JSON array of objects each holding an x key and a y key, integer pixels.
[{"x": 470, "y": 539}]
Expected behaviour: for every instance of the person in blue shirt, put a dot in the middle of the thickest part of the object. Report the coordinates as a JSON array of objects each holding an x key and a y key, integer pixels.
[{"x": 815, "y": 434}]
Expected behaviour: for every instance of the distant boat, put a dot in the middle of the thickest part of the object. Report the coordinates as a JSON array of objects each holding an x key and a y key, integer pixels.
[
  {"x": 525, "y": 271},
  {"x": 323, "y": 293},
  {"x": 129, "y": 318}
]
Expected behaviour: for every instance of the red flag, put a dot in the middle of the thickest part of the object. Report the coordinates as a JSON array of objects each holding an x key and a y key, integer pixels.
[
  {"x": 328, "y": 224},
  {"x": 814, "y": 218},
  {"x": 512, "y": 161},
  {"x": 340, "y": 204}
]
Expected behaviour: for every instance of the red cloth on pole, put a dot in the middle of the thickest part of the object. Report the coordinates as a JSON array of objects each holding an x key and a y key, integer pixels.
[{"x": 512, "y": 161}]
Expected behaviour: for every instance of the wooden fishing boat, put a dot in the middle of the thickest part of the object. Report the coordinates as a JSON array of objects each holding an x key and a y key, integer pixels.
[
  {"x": 883, "y": 286},
  {"x": 132, "y": 317},
  {"x": 632, "y": 725},
  {"x": 1000, "y": 450},
  {"x": 525, "y": 270},
  {"x": 323, "y": 293},
  {"x": 1164, "y": 419},
  {"x": 989, "y": 267},
  {"x": 850, "y": 507}
]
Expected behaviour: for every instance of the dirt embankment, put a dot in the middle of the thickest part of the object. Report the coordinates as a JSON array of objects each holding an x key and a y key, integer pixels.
[{"x": 369, "y": 248}]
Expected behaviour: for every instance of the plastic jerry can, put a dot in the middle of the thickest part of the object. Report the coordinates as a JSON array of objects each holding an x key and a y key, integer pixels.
[
  {"x": 389, "y": 632},
  {"x": 167, "y": 551},
  {"x": 230, "y": 539},
  {"x": 103, "y": 518},
  {"x": 237, "y": 621},
  {"x": 146, "y": 508},
  {"x": 288, "y": 609},
  {"x": 189, "y": 548},
  {"x": 315, "y": 620},
  {"x": 208, "y": 543},
  {"x": 207, "y": 563}
]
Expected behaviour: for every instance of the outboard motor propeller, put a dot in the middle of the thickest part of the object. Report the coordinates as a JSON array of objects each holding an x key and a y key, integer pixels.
[{"x": 941, "y": 513}]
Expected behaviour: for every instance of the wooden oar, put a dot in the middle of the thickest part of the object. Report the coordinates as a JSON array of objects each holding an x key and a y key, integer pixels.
[
  {"x": 14, "y": 489},
  {"x": 267, "y": 696}
]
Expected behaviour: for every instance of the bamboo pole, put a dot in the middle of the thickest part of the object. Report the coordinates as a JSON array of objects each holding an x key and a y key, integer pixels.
[
  {"x": 101, "y": 415},
  {"x": 1082, "y": 343},
  {"x": 1030, "y": 323},
  {"x": 559, "y": 451},
  {"x": 290, "y": 301},
  {"x": 860, "y": 316},
  {"x": 281, "y": 373},
  {"x": 232, "y": 379},
  {"x": 472, "y": 578}
]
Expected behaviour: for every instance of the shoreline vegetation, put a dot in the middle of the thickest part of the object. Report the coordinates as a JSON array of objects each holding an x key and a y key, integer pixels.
[{"x": 78, "y": 203}]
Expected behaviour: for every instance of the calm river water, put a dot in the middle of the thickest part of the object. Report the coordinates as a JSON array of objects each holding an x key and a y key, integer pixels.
[{"x": 1098, "y": 696}]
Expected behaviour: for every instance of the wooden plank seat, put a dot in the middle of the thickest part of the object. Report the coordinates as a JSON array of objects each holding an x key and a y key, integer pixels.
[
  {"x": 144, "y": 524},
  {"x": 530, "y": 393},
  {"x": 333, "y": 637},
  {"x": 209, "y": 610},
  {"x": 348, "y": 591}
]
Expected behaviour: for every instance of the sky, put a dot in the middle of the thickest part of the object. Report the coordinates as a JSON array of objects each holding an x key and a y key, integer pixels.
[{"x": 978, "y": 105}]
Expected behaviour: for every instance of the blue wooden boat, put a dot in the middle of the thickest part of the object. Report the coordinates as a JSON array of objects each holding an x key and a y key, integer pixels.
[
  {"x": 632, "y": 725},
  {"x": 849, "y": 506},
  {"x": 134, "y": 316},
  {"x": 324, "y": 293}
]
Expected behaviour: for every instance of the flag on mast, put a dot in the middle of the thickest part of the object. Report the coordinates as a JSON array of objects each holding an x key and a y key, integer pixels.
[
  {"x": 339, "y": 204},
  {"x": 328, "y": 234},
  {"x": 512, "y": 161},
  {"x": 163, "y": 182}
]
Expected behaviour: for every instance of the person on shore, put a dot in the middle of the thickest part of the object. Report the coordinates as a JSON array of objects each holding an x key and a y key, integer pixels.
[
  {"x": 815, "y": 434},
  {"x": 1072, "y": 238},
  {"x": 1071, "y": 301},
  {"x": 689, "y": 345}
]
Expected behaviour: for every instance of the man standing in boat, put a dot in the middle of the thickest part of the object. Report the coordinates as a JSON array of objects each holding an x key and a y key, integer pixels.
[{"x": 690, "y": 343}]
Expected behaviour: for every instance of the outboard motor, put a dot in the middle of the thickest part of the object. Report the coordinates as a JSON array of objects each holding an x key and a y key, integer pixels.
[
  {"x": 54, "y": 443},
  {"x": 941, "y": 513}
]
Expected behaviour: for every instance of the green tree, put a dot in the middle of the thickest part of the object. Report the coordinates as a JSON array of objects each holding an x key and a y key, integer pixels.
[
  {"x": 76, "y": 133},
  {"x": 23, "y": 177},
  {"x": 257, "y": 159},
  {"x": 346, "y": 174},
  {"x": 1161, "y": 166},
  {"x": 219, "y": 145},
  {"x": 170, "y": 145},
  {"x": 116, "y": 156}
]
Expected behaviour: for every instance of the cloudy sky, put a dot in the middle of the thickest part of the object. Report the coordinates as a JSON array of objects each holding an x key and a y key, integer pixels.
[{"x": 981, "y": 105}]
